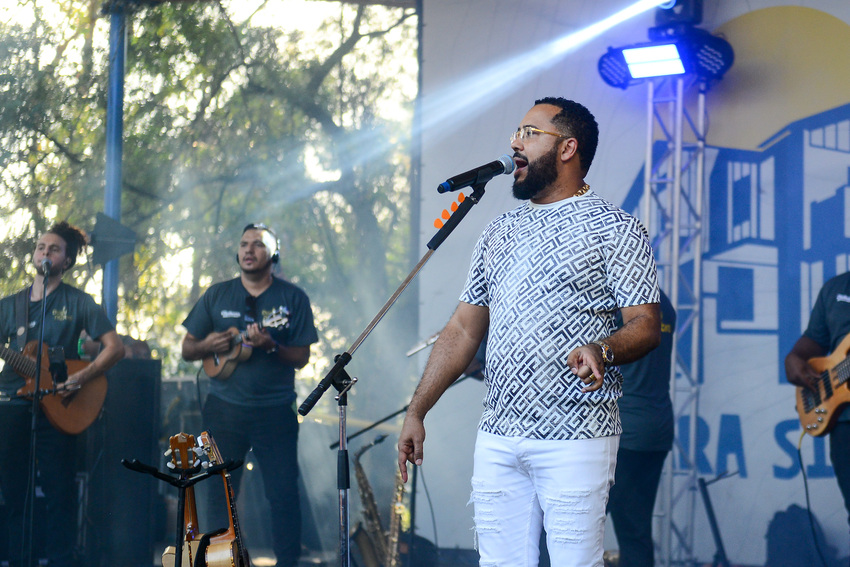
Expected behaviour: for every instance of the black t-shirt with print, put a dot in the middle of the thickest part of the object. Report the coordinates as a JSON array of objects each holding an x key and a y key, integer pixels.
[
  {"x": 69, "y": 312},
  {"x": 284, "y": 309}
]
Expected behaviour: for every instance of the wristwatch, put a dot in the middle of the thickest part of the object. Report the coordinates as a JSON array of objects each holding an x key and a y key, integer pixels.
[{"x": 607, "y": 352}]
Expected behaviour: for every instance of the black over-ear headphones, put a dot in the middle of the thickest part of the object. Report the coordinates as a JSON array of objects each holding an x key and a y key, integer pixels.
[{"x": 274, "y": 240}]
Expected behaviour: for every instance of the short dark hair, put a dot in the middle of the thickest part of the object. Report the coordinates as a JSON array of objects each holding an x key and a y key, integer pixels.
[
  {"x": 575, "y": 121},
  {"x": 75, "y": 239},
  {"x": 275, "y": 254}
]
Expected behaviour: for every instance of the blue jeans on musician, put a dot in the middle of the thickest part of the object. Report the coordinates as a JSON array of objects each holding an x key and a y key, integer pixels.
[
  {"x": 520, "y": 485},
  {"x": 272, "y": 433}
]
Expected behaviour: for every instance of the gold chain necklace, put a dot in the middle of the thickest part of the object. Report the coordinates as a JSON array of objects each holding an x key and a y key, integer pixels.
[{"x": 584, "y": 189}]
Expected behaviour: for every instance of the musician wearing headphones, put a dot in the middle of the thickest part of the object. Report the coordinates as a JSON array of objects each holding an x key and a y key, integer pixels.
[{"x": 251, "y": 401}]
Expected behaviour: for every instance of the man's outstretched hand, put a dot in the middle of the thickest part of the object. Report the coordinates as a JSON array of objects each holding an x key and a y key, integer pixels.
[{"x": 410, "y": 442}]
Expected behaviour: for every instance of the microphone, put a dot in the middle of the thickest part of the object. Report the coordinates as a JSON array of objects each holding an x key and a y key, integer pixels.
[
  {"x": 46, "y": 265},
  {"x": 481, "y": 174}
]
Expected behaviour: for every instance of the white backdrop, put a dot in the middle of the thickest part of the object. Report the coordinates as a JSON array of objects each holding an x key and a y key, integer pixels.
[{"x": 471, "y": 105}]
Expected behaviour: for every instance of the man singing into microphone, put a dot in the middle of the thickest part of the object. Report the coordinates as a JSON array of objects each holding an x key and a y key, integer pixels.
[
  {"x": 547, "y": 279},
  {"x": 68, "y": 312}
]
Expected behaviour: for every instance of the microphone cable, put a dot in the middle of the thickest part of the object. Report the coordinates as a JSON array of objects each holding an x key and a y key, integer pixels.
[
  {"x": 430, "y": 508},
  {"x": 808, "y": 501}
]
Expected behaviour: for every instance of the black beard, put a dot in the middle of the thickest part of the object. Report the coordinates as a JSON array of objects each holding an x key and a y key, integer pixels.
[{"x": 539, "y": 175}]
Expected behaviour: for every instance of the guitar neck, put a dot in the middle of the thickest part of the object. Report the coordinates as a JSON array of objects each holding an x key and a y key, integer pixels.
[
  {"x": 234, "y": 520},
  {"x": 841, "y": 372},
  {"x": 231, "y": 505},
  {"x": 19, "y": 363},
  {"x": 232, "y": 534},
  {"x": 238, "y": 337},
  {"x": 190, "y": 515}
]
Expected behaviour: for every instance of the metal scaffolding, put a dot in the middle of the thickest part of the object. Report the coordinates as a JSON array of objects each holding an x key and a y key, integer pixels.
[{"x": 672, "y": 208}]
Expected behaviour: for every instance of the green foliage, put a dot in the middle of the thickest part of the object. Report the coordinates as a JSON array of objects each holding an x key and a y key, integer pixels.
[{"x": 226, "y": 121}]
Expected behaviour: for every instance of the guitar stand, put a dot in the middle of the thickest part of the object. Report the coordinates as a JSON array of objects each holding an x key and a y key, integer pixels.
[{"x": 185, "y": 479}]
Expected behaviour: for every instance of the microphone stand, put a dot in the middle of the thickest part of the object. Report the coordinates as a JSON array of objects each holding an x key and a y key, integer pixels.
[
  {"x": 720, "y": 559},
  {"x": 338, "y": 378},
  {"x": 411, "y": 552},
  {"x": 29, "y": 512}
]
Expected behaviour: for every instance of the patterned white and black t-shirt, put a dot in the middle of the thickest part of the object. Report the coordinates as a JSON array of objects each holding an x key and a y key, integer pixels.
[{"x": 553, "y": 277}]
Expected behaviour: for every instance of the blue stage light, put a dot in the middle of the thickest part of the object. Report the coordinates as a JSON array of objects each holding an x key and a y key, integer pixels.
[
  {"x": 675, "y": 52},
  {"x": 654, "y": 60}
]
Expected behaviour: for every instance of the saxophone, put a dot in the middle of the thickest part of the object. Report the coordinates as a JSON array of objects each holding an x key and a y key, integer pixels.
[
  {"x": 395, "y": 521},
  {"x": 377, "y": 546}
]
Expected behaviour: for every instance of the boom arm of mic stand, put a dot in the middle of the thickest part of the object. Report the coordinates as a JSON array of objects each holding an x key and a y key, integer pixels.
[
  {"x": 343, "y": 359},
  {"x": 457, "y": 216}
]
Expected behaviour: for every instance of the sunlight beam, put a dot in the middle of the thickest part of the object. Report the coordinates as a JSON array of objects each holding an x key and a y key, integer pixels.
[
  {"x": 500, "y": 79},
  {"x": 441, "y": 107}
]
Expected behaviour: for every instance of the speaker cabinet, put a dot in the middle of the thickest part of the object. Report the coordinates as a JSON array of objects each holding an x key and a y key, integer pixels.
[{"x": 123, "y": 505}]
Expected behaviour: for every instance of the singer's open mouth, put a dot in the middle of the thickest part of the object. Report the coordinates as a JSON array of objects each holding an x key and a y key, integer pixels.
[{"x": 520, "y": 163}]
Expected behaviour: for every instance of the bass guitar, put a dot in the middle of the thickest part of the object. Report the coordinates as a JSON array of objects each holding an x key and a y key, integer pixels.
[
  {"x": 819, "y": 410},
  {"x": 70, "y": 414},
  {"x": 220, "y": 366},
  {"x": 225, "y": 548}
]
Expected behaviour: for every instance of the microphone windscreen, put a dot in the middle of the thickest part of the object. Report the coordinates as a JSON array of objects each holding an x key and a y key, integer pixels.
[{"x": 509, "y": 164}]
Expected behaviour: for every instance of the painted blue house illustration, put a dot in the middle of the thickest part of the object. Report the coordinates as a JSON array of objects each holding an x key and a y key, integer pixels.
[{"x": 776, "y": 227}]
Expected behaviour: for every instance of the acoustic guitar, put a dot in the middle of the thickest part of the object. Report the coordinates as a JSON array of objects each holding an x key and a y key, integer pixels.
[
  {"x": 220, "y": 366},
  {"x": 183, "y": 456},
  {"x": 70, "y": 414},
  {"x": 819, "y": 410},
  {"x": 225, "y": 549}
]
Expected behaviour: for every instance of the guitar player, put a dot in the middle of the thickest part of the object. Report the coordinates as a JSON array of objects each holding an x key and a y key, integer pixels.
[
  {"x": 69, "y": 311},
  {"x": 254, "y": 406},
  {"x": 828, "y": 325}
]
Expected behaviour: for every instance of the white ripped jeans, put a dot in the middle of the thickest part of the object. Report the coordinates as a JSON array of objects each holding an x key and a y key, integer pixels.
[{"x": 520, "y": 485}]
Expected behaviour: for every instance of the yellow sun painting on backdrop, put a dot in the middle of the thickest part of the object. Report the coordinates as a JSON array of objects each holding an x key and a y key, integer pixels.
[{"x": 791, "y": 62}]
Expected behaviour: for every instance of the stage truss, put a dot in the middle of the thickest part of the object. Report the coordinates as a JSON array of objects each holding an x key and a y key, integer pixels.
[{"x": 672, "y": 208}]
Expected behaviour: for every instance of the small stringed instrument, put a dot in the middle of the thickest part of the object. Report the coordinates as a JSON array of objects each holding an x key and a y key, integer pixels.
[
  {"x": 183, "y": 456},
  {"x": 225, "y": 549},
  {"x": 71, "y": 414},
  {"x": 221, "y": 365},
  {"x": 819, "y": 410}
]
